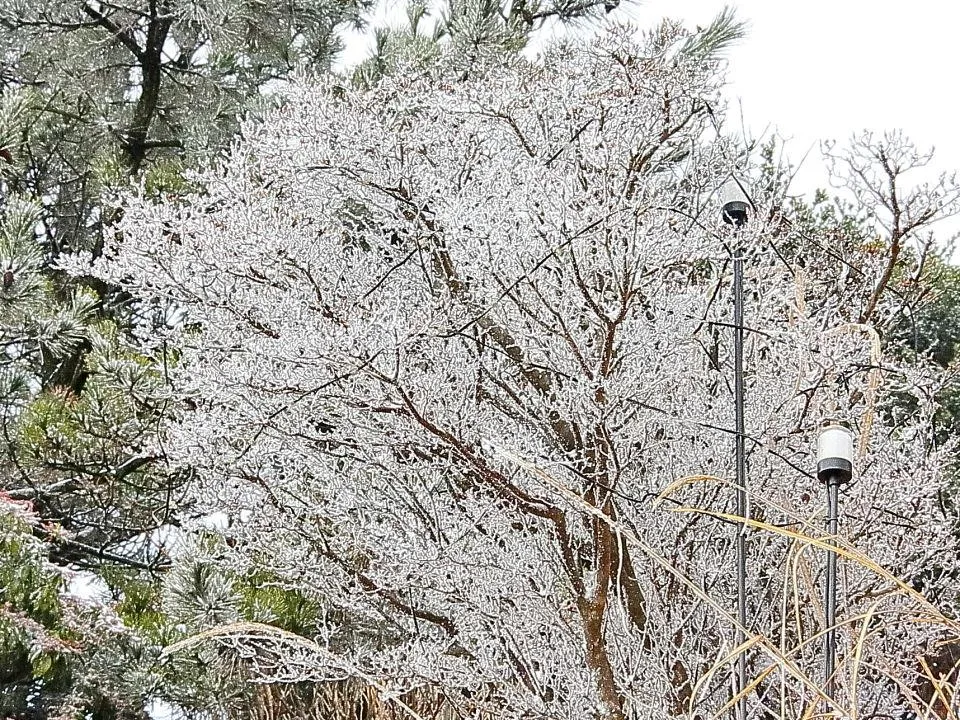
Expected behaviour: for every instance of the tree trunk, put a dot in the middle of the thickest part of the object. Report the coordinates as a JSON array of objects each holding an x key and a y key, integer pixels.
[{"x": 592, "y": 615}]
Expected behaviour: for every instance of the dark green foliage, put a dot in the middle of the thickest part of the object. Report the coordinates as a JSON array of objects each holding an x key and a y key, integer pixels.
[{"x": 932, "y": 328}]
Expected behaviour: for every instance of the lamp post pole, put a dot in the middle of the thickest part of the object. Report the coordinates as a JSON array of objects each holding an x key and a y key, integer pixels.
[
  {"x": 741, "y": 471},
  {"x": 735, "y": 212},
  {"x": 834, "y": 468}
]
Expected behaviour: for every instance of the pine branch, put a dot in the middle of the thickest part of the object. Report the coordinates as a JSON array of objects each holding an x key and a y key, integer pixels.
[
  {"x": 718, "y": 37},
  {"x": 124, "y": 35}
]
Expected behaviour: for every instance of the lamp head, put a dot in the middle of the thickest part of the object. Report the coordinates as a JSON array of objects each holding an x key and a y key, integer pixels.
[
  {"x": 835, "y": 453},
  {"x": 735, "y": 205}
]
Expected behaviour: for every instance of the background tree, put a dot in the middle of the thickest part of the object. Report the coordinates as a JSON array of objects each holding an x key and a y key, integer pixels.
[
  {"x": 77, "y": 450},
  {"x": 132, "y": 83},
  {"x": 464, "y": 378},
  {"x": 894, "y": 229},
  {"x": 471, "y": 34}
]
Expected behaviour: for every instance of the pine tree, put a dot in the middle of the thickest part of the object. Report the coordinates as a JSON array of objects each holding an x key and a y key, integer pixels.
[{"x": 469, "y": 35}]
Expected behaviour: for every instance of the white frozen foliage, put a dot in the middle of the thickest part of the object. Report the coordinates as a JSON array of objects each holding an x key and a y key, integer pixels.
[{"x": 459, "y": 366}]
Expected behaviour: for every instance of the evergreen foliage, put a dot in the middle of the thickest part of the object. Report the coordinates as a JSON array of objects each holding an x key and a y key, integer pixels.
[{"x": 60, "y": 656}]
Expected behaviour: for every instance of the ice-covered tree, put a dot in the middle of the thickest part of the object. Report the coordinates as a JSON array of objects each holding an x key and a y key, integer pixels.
[
  {"x": 93, "y": 93},
  {"x": 456, "y": 361}
]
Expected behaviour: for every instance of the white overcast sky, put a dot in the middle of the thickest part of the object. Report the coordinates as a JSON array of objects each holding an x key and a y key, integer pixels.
[{"x": 824, "y": 69}]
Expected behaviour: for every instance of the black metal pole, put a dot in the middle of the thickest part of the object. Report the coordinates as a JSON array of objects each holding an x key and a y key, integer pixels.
[
  {"x": 830, "y": 587},
  {"x": 741, "y": 471},
  {"x": 735, "y": 212},
  {"x": 834, "y": 467}
]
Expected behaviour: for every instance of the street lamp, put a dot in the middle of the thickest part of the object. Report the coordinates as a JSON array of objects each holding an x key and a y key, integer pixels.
[
  {"x": 834, "y": 468},
  {"x": 735, "y": 211}
]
